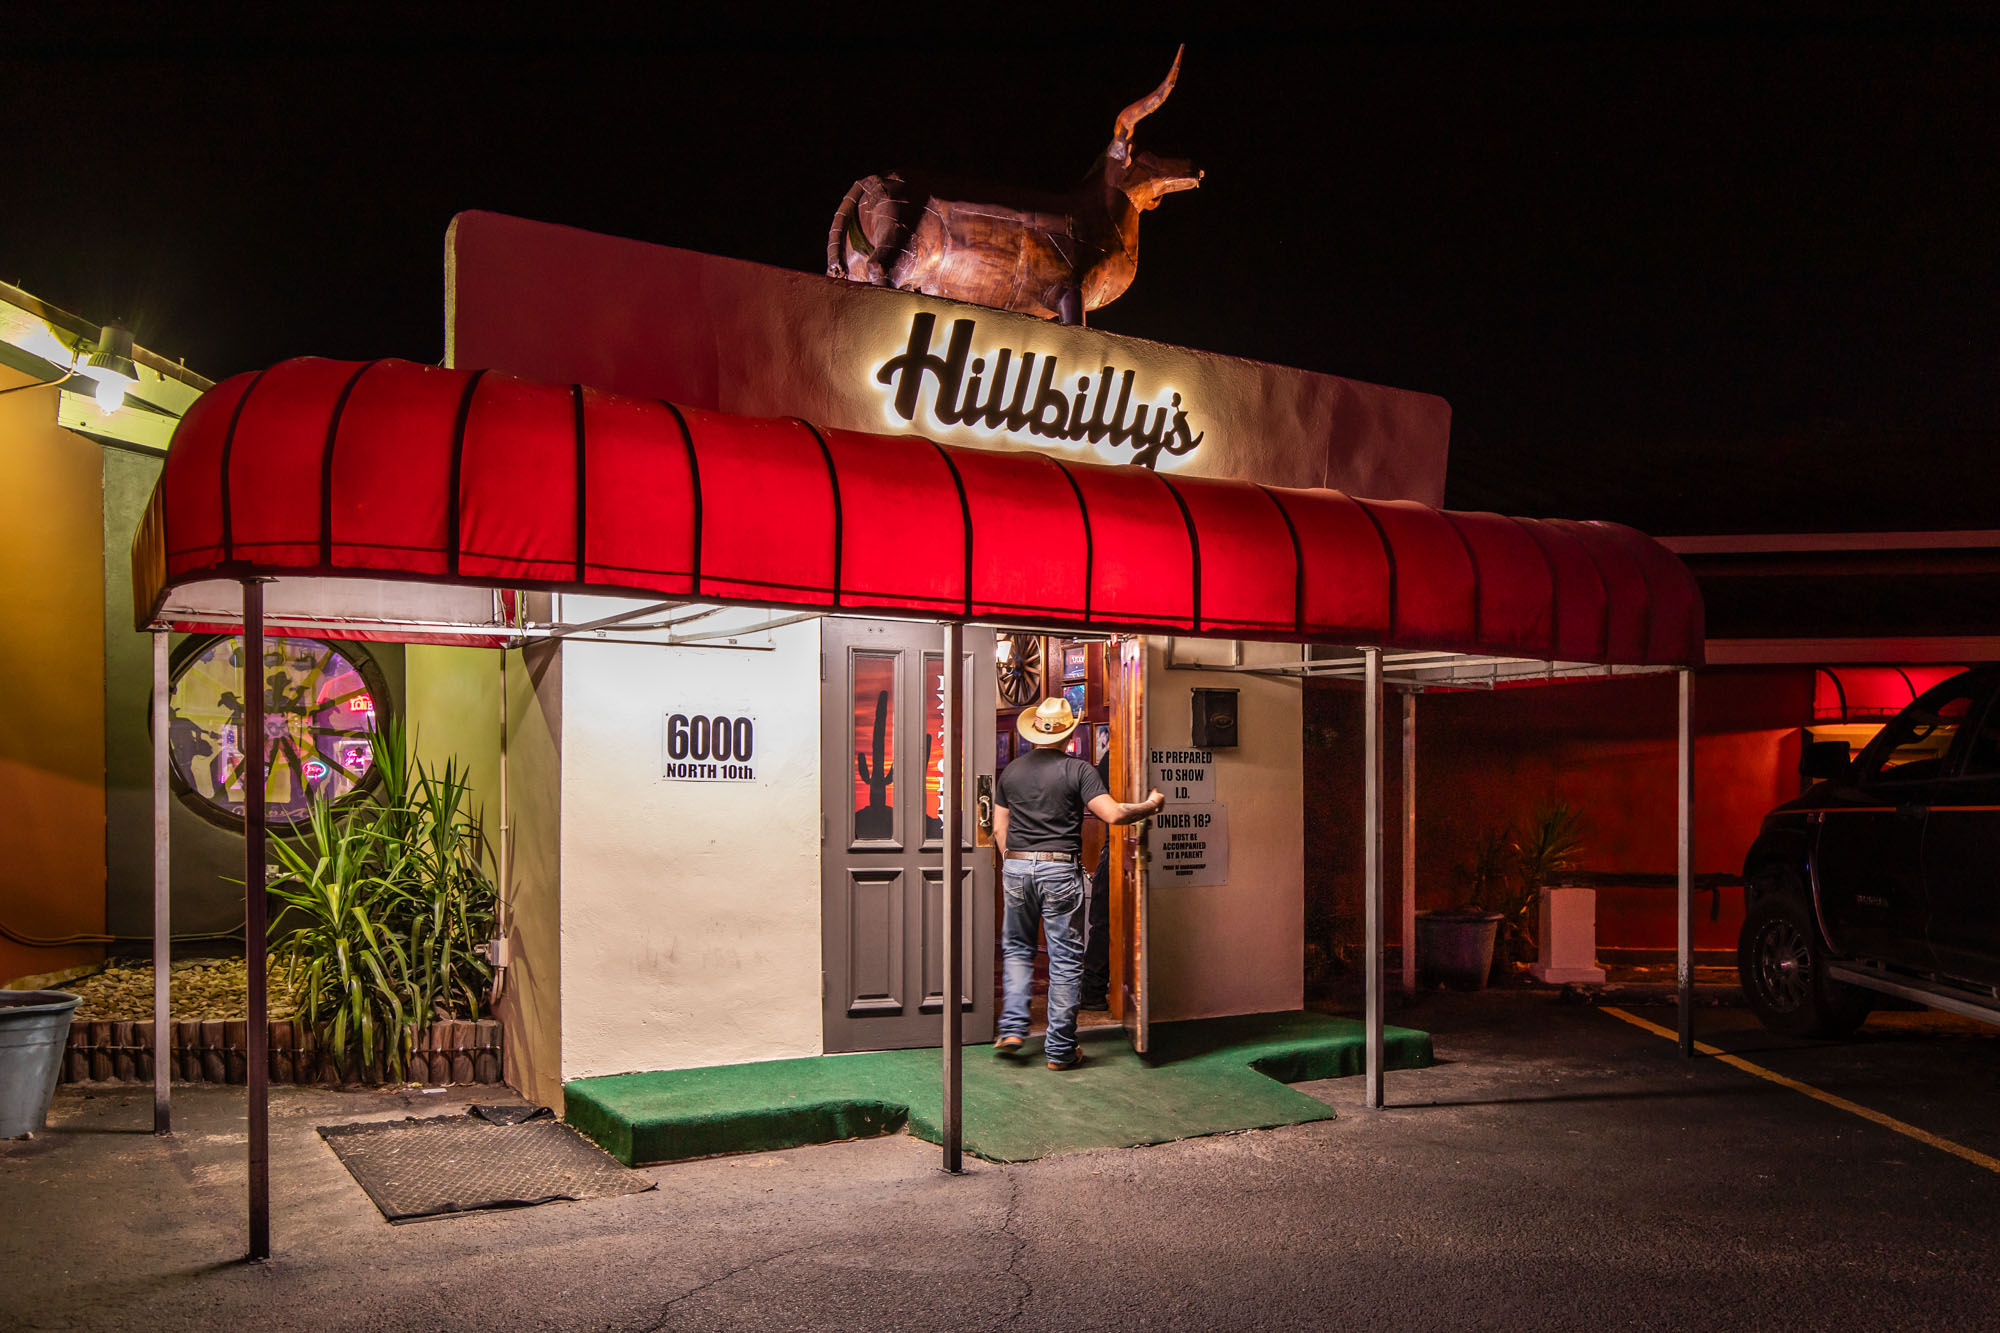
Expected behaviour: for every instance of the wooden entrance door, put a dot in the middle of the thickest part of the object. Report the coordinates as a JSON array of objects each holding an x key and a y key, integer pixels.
[
  {"x": 1125, "y": 677},
  {"x": 881, "y": 740}
]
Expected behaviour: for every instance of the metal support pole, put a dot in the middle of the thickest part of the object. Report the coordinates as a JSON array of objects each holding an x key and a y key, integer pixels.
[
  {"x": 257, "y": 1056},
  {"x": 1684, "y": 924},
  {"x": 1409, "y": 922},
  {"x": 162, "y": 901},
  {"x": 950, "y": 785},
  {"x": 1371, "y": 706}
]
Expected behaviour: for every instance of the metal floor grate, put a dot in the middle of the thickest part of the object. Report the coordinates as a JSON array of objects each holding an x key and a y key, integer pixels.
[{"x": 454, "y": 1164}]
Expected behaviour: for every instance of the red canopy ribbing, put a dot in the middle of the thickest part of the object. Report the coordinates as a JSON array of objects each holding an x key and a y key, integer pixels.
[{"x": 388, "y": 469}]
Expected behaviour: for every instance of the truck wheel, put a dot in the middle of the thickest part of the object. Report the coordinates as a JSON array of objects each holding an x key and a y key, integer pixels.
[{"x": 1782, "y": 964}]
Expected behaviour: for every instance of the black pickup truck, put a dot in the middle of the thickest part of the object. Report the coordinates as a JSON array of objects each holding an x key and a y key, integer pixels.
[{"x": 1886, "y": 872}]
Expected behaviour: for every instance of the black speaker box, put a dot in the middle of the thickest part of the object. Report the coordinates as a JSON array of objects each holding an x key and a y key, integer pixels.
[{"x": 1214, "y": 719}]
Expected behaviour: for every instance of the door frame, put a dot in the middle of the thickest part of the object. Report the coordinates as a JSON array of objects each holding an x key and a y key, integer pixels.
[{"x": 1131, "y": 908}]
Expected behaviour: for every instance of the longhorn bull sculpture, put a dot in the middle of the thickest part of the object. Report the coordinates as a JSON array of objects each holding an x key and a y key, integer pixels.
[{"x": 1055, "y": 256}]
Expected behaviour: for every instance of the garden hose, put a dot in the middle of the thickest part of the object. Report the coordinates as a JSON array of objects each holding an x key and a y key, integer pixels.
[{"x": 59, "y": 941}]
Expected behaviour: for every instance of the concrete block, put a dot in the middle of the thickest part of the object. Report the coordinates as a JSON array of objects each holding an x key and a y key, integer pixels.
[{"x": 1566, "y": 926}]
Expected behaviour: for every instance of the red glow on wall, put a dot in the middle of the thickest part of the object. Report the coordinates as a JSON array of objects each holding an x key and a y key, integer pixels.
[{"x": 1858, "y": 694}]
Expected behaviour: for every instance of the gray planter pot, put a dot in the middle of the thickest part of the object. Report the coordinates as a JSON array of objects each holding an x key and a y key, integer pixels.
[
  {"x": 34, "y": 1024},
  {"x": 1455, "y": 949}
]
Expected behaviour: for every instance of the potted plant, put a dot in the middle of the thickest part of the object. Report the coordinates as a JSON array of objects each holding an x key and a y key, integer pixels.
[
  {"x": 1501, "y": 886},
  {"x": 1557, "y": 926},
  {"x": 1455, "y": 945}
]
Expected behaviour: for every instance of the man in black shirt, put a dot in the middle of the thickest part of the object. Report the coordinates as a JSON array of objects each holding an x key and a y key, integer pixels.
[{"x": 1038, "y": 813}]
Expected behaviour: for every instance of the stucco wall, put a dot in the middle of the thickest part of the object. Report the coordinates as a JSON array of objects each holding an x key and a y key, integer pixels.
[
  {"x": 52, "y": 659},
  {"x": 690, "y": 910},
  {"x": 531, "y": 1004},
  {"x": 454, "y": 711},
  {"x": 1237, "y": 947},
  {"x": 128, "y": 695}
]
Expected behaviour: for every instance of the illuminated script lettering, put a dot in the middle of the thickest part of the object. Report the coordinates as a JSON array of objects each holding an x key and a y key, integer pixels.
[{"x": 1021, "y": 393}]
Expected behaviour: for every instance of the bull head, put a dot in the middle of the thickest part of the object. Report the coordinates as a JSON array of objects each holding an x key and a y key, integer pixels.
[{"x": 1051, "y": 256}]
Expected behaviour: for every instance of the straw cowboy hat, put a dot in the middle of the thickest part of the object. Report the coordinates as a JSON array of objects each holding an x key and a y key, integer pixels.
[{"x": 1050, "y": 723}]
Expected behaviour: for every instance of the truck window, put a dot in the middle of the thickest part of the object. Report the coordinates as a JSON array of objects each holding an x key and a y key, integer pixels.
[
  {"x": 1913, "y": 747},
  {"x": 1982, "y": 754}
]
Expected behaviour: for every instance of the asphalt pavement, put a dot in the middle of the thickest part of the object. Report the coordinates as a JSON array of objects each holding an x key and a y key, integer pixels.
[{"x": 1559, "y": 1168}]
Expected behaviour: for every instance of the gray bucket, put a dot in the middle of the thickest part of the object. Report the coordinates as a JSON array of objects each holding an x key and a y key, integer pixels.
[
  {"x": 34, "y": 1025},
  {"x": 1455, "y": 949}
]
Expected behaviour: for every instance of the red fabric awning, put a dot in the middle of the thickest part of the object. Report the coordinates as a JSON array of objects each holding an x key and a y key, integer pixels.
[{"x": 387, "y": 468}]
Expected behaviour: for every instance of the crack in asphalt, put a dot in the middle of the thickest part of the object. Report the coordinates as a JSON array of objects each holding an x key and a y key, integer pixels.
[
  {"x": 1026, "y": 1289},
  {"x": 666, "y": 1311}
]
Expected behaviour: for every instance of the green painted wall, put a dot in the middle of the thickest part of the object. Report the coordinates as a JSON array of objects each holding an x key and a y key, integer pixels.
[{"x": 128, "y": 692}]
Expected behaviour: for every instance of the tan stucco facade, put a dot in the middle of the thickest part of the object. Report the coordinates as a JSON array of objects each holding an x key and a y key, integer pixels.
[{"x": 52, "y": 660}]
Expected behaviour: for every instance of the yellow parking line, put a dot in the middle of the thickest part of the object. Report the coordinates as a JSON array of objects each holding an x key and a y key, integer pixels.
[{"x": 1971, "y": 1155}]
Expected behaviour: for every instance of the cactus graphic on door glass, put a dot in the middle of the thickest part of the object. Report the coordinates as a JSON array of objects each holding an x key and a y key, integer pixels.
[{"x": 877, "y": 819}]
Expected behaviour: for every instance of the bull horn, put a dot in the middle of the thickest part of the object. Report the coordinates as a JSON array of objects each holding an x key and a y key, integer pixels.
[{"x": 1129, "y": 118}]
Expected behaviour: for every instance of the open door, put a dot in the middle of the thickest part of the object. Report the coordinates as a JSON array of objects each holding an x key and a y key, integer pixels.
[
  {"x": 1126, "y": 676},
  {"x": 882, "y": 895}
]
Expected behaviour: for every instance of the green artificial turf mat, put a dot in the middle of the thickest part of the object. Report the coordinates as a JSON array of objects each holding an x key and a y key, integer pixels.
[{"x": 1209, "y": 1076}]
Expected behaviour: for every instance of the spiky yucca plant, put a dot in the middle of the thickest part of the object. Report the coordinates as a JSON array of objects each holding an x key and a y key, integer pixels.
[{"x": 386, "y": 900}]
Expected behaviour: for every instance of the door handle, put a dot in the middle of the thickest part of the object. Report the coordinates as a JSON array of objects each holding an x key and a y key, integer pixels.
[{"x": 1912, "y": 810}]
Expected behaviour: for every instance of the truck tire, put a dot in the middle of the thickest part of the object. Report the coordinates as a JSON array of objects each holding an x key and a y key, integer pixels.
[{"x": 1781, "y": 962}]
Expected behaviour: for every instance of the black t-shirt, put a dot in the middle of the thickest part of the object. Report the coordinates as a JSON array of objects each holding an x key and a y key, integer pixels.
[{"x": 1045, "y": 793}]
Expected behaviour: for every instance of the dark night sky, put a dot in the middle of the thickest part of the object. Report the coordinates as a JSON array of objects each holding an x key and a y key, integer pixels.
[{"x": 1698, "y": 273}]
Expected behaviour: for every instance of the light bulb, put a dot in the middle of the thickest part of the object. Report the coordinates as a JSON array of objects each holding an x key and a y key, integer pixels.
[{"x": 110, "y": 393}]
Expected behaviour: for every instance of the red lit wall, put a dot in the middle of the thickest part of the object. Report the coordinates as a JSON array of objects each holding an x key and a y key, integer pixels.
[{"x": 1607, "y": 747}]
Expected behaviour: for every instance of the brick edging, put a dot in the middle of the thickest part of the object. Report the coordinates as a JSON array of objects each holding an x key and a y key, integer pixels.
[{"x": 215, "y": 1051}]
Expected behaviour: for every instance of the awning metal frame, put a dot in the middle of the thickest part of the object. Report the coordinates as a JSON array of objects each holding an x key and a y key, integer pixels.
[
  {"x": 1417, "y": 671},
  {"x": 1407, "y": 673}
]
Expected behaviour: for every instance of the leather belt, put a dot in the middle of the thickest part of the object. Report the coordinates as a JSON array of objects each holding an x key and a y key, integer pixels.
[{"x": 1043, "y": 856}]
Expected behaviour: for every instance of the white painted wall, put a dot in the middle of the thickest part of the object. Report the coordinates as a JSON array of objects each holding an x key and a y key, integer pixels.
[
  {"x": 1238, "y": 947},
  {"x": 690, "y": 910}
]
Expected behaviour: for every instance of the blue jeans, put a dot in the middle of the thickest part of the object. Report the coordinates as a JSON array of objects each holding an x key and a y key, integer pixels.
[{"x": 1055, "y": 895}]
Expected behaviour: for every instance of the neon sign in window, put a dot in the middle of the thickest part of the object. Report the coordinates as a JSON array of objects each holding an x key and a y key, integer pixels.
[{"x": 319, "y": 720}]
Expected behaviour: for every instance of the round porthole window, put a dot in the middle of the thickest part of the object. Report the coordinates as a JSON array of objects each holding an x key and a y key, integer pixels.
[{"x": 320, "y": 711}]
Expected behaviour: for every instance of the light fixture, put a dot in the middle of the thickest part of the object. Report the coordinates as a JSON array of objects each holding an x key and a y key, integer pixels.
[
  {"x": 111, "y": 366},
  {"x": 107, "y": 361}
]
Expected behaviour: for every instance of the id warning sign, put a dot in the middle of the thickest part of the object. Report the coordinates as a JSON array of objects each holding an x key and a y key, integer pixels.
[{"x": 1189, "y": 844}]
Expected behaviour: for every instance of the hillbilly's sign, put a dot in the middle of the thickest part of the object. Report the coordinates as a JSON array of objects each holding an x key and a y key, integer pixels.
[
  {"x": 999, "y": 390},
  {"x": 553, "y": 303}
]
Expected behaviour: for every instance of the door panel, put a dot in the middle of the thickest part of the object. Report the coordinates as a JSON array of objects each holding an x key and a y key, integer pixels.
[
  {"x": 1870, "y": 886},
  {"x": 1127, "y": 681},
  {"x": 1962, "y": 859},
  {"x": 933, "y": 937},
  {"x": 881, "y": 737},
  {"x": 875, "y": 942},
  {"x": 1868, "y": 859},
  {"x": 1962, "y": 879}
]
